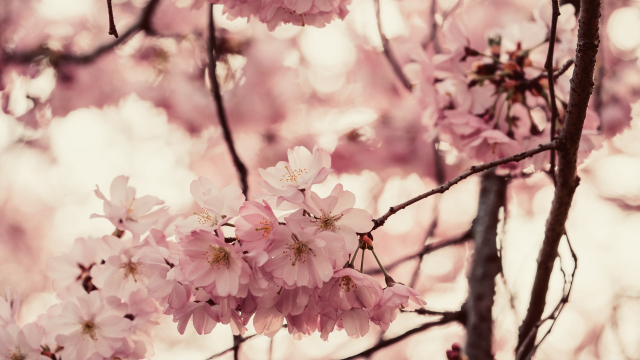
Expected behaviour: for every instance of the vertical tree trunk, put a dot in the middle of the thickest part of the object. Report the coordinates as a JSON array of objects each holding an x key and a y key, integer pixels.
[{"x": 485, "y": 267}]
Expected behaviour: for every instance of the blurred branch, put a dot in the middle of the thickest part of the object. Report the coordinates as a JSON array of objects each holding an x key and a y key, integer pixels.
[
  {"x": 473, "y": 170},
  {"x": 429, "y": 248},
  {"x": 558, "y": 73},
  {"x": 548, "y": 65},
  {"x": 387, "y": 50},
  {"x": 566, "y": 179},
  {"x": 566, "y": 292},
  {"x": 222, "y": 115},
  {"x": 485, "y": 266},
  {"x": 458, "y": 316},
  {"x": 112, "y": 23},
  {"x": 57, "y": 58},
  {"x": 237, "y": 340},
  {"x": 234, "y": 348}
]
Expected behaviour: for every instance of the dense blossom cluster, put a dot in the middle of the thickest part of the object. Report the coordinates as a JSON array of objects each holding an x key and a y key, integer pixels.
[
  {"x": 493, "y": 103},
  {"x": 275, "y": 12},
  {"x": 233, "y": 261}
]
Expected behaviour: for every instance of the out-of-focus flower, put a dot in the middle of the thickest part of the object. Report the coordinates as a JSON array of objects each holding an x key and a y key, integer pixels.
[
  {"x": 21, "y": 343},
  {"x": 9, "y": 307},
  {"x": 125, "y": 211},
  {"x": 88, "y": 326},
  {"x": 216, "y": 206}
]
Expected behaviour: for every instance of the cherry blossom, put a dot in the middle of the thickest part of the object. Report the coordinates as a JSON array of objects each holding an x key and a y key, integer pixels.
[
  {"x": 209, "y": 262},
  {"x": 298, "y": 258},
  {"x": 125, "y": 211},
  {"x": 288, "y": 180},
  {"x": 215, "y": 206},
  {"x": 21, "y": 343},
  {"x": 88, "y": 326},
  {"x": 335, "y": 213}
]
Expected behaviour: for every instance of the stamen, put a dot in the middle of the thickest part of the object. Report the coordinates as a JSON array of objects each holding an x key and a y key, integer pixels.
[
  {"x": 298, "y": 251},
  {"x": 89, "y": 328},
  {"x": 217, "y": 256},
  {"x": 130, "y": 268}
]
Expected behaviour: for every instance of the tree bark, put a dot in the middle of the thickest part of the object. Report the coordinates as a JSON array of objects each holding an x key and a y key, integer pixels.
[
  {"x": 566, "y": 179},
  {"x": 485, "y": 267}
]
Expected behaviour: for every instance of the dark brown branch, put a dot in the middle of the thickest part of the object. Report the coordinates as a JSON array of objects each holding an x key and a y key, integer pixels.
[
  {"x": 57, "y": 58},
  {"x": 558, "y": 73},
  {"x": 429, "y": 248},
  {"x": 548, "y": 65},
  {"x": 237, "y": 340},
  {"x": 112, "y": 23},
  {"x": 484, "y": 267},
  {"x": 387, "y": 50},
  {"x": 473, "y": 170},
  {"x": 566, "y": 292},
  {"x": 236, "y": 345},
  {"x": 566, "y": 179},
  {"x": 446, "y": 318},
  {"x": 222, "y": 115}
]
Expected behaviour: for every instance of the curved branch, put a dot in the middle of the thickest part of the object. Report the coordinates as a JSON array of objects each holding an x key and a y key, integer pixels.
[
  {"x": 56, "y": 58},
  {"x": 236, "y": 345},
  {"x": 387, "y": 51},
  {"x": 550, "y": 79},
  {"x": 429, "y": 248},
  {"x": 446, "y": 318},
  {"x": 566, "y": 179},
  {"x": 222, "y": 115},
  {"x": 473, "y": 170}
]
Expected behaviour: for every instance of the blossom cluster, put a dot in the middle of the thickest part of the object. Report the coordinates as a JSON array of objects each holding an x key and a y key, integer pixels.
[
  {"x": 494, "y": 102},
  {"x": 233, "y": 261},
  {"x": 275, "y": 12}
]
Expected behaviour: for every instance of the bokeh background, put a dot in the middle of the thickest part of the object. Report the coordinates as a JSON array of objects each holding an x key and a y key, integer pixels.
[{"x": 145, "y": 110}]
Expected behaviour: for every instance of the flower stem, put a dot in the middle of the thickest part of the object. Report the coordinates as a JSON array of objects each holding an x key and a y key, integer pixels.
[
  {"x": 362, "y": 260},
  {"x": 353, "y": 259},
  {"x": 386, "y": 275}
]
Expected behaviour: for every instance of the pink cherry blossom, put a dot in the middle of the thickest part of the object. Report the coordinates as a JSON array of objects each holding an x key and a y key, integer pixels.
[
  {"x": 216, "y": 206},
  {"x": 21, "y": 343},
  {"x": 209, "y": 262},
  {"x": 75, "y": 266},
  {"x": 355, "y": 322},
  {"x": 125, "y": 211},
  {"x": 89, "y": 326},
  {"x": 207, "y": 313},
  {"x": 335, "y": 213},
  {"x": 255, "y": 224},
  {"x": 298, "y": 258},
  {"x": 287, "y": 180},
  {"x": 348, "y": 289},
  {"x": 9, "y": 307}
]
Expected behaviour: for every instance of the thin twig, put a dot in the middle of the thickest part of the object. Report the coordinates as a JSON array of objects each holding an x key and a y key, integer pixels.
[
  {"x": 566, "y": 176},
  {"x": 235, "y": 346},
  {"x": 558, "y": 73},
  {"x": 387, "y": 50},
  {"x": 473, "y": 170},
  {"x": 237, "y": 340},
  {"x": 447, "y": 318},
  {"x": 429, "y": 248},
  {"x": 222, "y": 115},
  {"x": 57, "y": 58},
  {"x": 566, "y": 292},
  {"x": 548, "y": 65},
  {"x": 112, "y": 23}
]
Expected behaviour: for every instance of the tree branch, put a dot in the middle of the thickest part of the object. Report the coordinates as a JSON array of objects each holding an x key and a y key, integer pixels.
[
  {"x": 446, "y": 318},
  {"x": 550, "y": 78},
  {"x": 473, "y": 170},
  {"x": 484, "y": 267},
  {"x": 57, "y": 58},
  {"x": 566, "y": 292},
  {"x": 429, "y": 248},
  {"x": 236, "y": 345},
  {"x": 222, "y": 116},
  {"x": 112, "y": 23},
  {"x": 387, "y": 51},
  {"x": 566, "y": 179}
]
